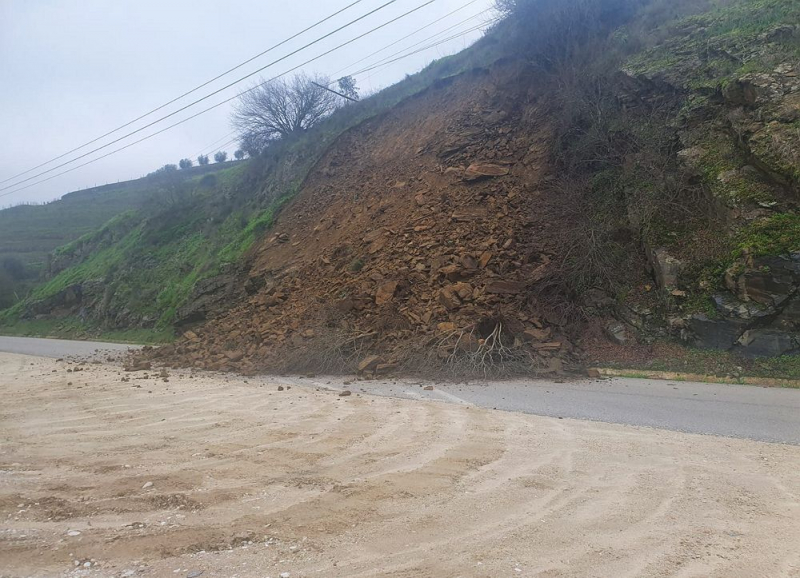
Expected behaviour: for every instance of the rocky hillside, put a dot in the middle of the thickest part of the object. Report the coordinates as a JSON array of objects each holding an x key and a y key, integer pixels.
[
  {"x": 413, "y": 243},
  {"x": 180, "y": 255},
  {"x": 730, "y": 281},
  {"x": 607, "y": 177},
  {"x": 491, "y": 223}
]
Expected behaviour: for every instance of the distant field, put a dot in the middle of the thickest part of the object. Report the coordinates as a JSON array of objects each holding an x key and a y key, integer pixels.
[{"x": 30, "y": 232}]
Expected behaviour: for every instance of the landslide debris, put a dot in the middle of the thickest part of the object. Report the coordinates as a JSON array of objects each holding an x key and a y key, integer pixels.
[
  {"x": 624, "y": 195},
  {"x": 413, "y": 245}
]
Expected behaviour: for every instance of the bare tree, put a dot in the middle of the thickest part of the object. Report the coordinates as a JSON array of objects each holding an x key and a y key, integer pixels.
[{"x": 281, "y": 109}]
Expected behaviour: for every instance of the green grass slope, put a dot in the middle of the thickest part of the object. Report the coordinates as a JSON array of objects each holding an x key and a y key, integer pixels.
[{"x": 31, "y": 232}]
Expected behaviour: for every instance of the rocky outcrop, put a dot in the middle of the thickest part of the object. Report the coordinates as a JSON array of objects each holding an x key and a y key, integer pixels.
[
  {"x": 213, "y": 295},
  {"x": 68, "y": 301},
  {"x": 759, "y": 316},
  {"x": 89, "y": 301},
  {"x": 666, "y": 269}
]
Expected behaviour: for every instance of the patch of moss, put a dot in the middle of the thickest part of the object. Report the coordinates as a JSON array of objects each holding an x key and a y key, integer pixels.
[
  {"x": 777, "y": 145},
  {"x": 721, "y": 166},
  {"x": 776, "y": 235},
  {"x": 703, "y": 51},
  {"x": 700, "y": 302}
]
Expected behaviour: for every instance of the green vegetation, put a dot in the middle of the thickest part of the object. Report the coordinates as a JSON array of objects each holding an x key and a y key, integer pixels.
[
  {"x": 256, "y": 226},
  {"x": 34, "y": 233},
  {"x": 722, "y": 364},
  {"x": 143, "y": 263},
  {"x": 776, "y": 235},
  {"x": 73, "y": 328},
  {"x": 707, "y": 50}
]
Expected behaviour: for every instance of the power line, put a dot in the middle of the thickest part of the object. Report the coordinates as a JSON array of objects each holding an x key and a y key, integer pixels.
[
  {"x": 335, "y": 74},
  {"x": 202, "y": 111},
  {"x": 350, "y": 98},
  {"x": 195, "y": 89},
  {"x": 257, "y": 86},
  {"x": 383, "y": 60},
  {"x": 434, "y": 45},
  {"x": 220, "y": 147},
  {"x": 199, "y": 100}
]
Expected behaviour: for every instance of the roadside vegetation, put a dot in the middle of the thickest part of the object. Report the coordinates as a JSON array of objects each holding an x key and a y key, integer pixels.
[{"x": 667, "y": 357}]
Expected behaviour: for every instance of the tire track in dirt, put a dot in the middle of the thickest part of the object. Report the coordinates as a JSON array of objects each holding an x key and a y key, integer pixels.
[{"x": 252, "y": 481}]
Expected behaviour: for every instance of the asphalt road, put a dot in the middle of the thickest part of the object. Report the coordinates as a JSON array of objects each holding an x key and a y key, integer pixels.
[
  {"x": 742, "y": 411},
  {"x": 58, "y": 347}
]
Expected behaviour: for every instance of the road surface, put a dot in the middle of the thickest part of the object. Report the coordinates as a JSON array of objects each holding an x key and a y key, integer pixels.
[
  {"x": 57, "y": 347},
  {"x": 742, "y": 411}
]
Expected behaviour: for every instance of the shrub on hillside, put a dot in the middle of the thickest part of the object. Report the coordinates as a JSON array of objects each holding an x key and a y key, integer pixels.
[{"x": 617, "y": 170}]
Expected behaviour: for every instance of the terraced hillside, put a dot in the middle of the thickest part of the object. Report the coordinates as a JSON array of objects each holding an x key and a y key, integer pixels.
[{"x": 32, "y": 232}]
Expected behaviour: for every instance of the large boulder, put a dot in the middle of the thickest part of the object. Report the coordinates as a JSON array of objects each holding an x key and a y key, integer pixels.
[
  {"x": 728, "y": 305},
  {"x": 789, "y": 318},
  {"x": 769, "y": 280},
  {"x": 477, "y": 171},
  {"x": 768, "y": 343},
  {"x": 707, "y": 333}
]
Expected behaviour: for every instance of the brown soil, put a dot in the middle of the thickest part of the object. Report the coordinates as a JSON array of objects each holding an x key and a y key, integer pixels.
[
  {"x": 250, "y": 481},
  {"x": 417, "y": 238}
]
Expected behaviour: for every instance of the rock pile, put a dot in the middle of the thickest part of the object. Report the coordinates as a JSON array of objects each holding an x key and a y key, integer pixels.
[{"x": 416, "y": 240}]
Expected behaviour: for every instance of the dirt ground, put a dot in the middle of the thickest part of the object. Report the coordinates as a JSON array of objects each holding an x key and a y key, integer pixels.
[{"x": 218, "y": 475}]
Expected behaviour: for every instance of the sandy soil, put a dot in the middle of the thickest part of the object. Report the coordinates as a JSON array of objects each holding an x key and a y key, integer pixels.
[{"x": 230, "y": 477}]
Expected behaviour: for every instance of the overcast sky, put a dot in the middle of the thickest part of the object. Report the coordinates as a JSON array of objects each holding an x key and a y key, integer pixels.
[{"x": 72, "y": 70}]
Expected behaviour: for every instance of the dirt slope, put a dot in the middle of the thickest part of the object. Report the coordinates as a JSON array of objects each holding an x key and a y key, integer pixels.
[
  {"x": 251, "y": 481},
  {"x": 416, "y": 239}
]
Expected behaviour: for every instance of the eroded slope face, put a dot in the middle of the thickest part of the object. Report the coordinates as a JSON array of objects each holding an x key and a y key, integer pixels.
[{"x": 415, "y": 240}]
